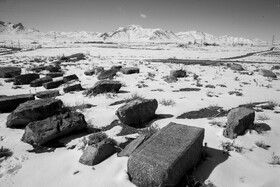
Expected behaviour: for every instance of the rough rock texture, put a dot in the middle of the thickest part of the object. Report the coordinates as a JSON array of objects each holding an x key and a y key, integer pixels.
[
  {"x": 236, "y": 67},
  {"x": 33, "y": 111},
  {"x": 238, "y": 121},
  {"x": 40, "y": 81},
  {"x": 107, "y": 74},
  {"x": 73, "y": 57},
  {"x": 97, "y": 153},
  {"x": 132, "y": 146},
  {"x": 76, "y": 86},
  {"x": 53, "y": 84},
  {"x": 130, "y": 70},
  {"x": 137, "y": 112},
  {"x": 70, "y": 78},
  {"x": 165, "y": 157},
  {"x": 104, "y": 86},
  {"x": 47, "y": 94},
  {"x": 10, "y": 103},
  {"x": 41, "y": 132},
  {"x": 94, "y": 71},
  {"x": 25, "y": 78},
  {"x": 267, "y": 73},
  {"x": 178, "y": 73},
  {"x": 9, "y": 72},
  {"x": 55, "y": 74}
]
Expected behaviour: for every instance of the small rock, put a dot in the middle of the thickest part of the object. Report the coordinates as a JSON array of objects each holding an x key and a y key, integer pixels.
[
  {"x": 70, "y": 78},
  {"x": 107, "y": 74},
  {"x": 129, "y": 70},
  {"x": 40, "y": 81},
  {"x": 10, "y": 103},
  {"x": 55, "y": 74},
  {"x": 104, "y": 86},
  {"x": 47, "y": 94},
  {"x": 76, "y": 86},
  {"x": 97, "y": 153},
  {"x": 53, "y": 84},
  {"x": 178, "y": 73},
  {"x": 267, "y": 73},
  {"x": 238, "y": 121},
  {"x": 9, "y": 72}
]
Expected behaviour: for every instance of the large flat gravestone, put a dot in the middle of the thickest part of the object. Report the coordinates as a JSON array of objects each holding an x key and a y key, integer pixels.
[{"x": 164, "y": 158}]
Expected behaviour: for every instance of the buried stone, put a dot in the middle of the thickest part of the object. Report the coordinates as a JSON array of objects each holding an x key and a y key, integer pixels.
[
  {"x": 238, "y": 121},
  {"x": 152, "y": 163},
  {"x": 41, "y": 132},
  {"x": 26, "y": 78},
  {"x": 40, "y": 81},
  {"x": 9, "y": 72},
  {"x": 137, "y": 112},
  {"x": 47, "y": 94},
  {"x": 32, "y": 111}
]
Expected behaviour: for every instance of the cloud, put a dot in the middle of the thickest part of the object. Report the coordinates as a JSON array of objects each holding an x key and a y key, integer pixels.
[{"x": 144, "y": 16}]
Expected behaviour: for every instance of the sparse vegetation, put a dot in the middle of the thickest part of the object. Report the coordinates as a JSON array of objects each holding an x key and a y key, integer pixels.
[
  {"x": 275, "y": 160},
  {"x": 167, "y": 102},
  {"x": 149, "y": 131},
  {"x": 5, "y": 152},
  {"x": 270, "y": 105},
  {"x": 216, "y": 123},
  {"x": 261, "y": 144},
  {"x": 231, "y": 146}
]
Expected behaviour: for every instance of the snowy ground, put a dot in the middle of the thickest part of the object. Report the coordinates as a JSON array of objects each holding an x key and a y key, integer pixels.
[{"x": 61, "y": 167}]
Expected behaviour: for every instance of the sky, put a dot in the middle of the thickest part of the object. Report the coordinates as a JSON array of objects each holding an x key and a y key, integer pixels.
[{"x": 245, "y": 18}]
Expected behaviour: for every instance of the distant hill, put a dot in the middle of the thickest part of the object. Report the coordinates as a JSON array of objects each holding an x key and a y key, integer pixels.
[{"x": 130, "y": 33}]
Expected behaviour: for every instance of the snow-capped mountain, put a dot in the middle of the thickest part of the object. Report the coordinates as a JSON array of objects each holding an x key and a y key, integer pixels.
[
  {"x": 131, "y": 33},
  {"x": 136, "y": 33}
]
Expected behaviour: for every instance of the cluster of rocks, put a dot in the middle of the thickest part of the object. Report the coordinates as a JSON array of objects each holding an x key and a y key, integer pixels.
[{"x": 44, "y": 120}]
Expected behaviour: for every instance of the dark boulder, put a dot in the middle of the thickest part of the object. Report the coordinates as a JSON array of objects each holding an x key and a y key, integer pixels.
[
  {"x": 9, "y": 72},
  {"x": 41, "y": 132},
  {"x": 40, "y": 81},
  {"x": 104, "y": 86},
  {"x": 129, "y": 70},
  {"x": 33, "y": 111},
  {"x": 167, "y": 156},
  {"x": 47, "y": 94},
  {"x": 137, "y": 112},
  {"x": 95, "y": 154},
  {"x": 107, "y": 74},
  {"x": 25, "y": 78},
  {"x": 53, "y": 84},
  {"x": 76, "y": 86},
  {"x": 70, "y": 78},
  {"x": 238, "y": 121},
  {"x": 178, "y": 73},
  {"x": 10, "y": 103}
]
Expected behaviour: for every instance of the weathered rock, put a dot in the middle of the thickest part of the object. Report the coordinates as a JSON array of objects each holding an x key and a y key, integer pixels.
[
  {"x": 94, "y": 71},
  {"x": 178, "y": 73},
  {"x": 54, "y": 74},
  {"x": 37, "y": 68},
  {"x": 73, "y": 57},
  {"x": 25, "y": 78},
  {"x": 33, "y": 111},
  {"x": 137, "y": 112},
  {"x": 76, "y": 86},
  {"x": 267, "y": 73},
  {"x": 41, "y": 132},
  {"x": 53, "y": 69},
  {"x": 116, "y": 67},
  {"x": 238, "y": 121},
  {"x": 9, "y": 72},
  {"x": 132, "y": 146},
  {"x": 129, "y": 70},
  {"x": 97, "y": 153},
  {"x": 70, "y": 78},
  {"x": 107, "y": 74},
  {"x": 47, "y": 94},
  {"x": 104, "y": 86},
  {"x": 10, "y": 103},
  {"x": 53, "y": 84},
  {"x": 165, "y": 157},
  {"x": 40, "y": 81},
  {"x": 236, "y": 67}
]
